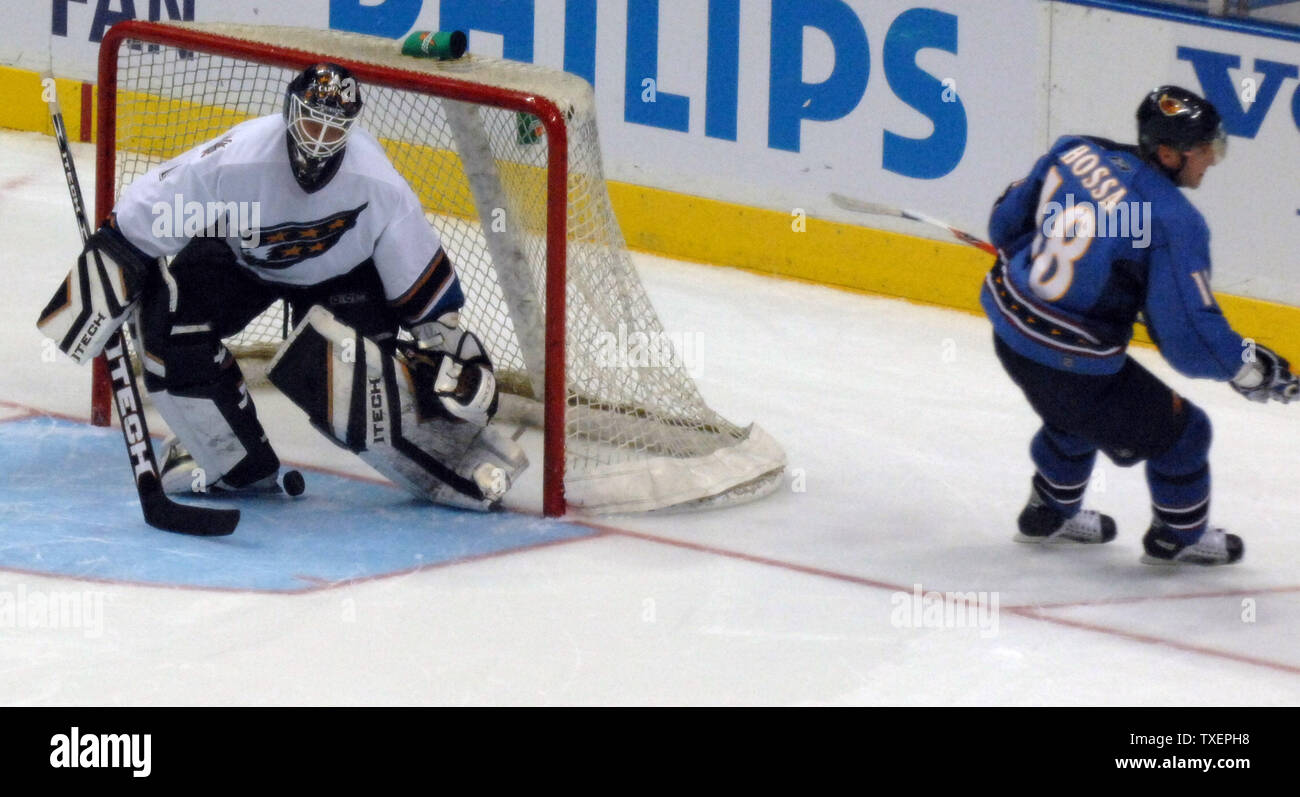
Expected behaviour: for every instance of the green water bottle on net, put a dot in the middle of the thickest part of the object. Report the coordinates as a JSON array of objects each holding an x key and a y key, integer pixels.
[
  {"x": 443, "y": 45},
  {"x": 529, "y": 128}
]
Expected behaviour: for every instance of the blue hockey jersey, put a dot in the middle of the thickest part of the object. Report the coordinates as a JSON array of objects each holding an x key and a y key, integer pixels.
[{"x": 1090, "y": 239}]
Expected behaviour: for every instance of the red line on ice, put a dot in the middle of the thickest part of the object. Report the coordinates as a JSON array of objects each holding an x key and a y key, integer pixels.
[
  {"x": 1028, "y": 612},
  {"x": 762, "y": 560},
  {"x": 320, "y": 584},
  {"x": 35, "y": 412},
  {"x": 1155, "y": 640},
  {"x": 315, "y": 584},
  {"x": 1230, "y": 593},
  {"x": 14, "y": 183}
]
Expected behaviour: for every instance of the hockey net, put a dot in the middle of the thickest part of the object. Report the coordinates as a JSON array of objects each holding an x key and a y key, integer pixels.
[{"x": 505, "y": 159}]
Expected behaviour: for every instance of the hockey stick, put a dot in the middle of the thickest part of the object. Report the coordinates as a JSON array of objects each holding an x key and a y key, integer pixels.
[
  {"x": 1291, "y": 393},
  {"x": 159, "y": 511},
  {"x": 874, "y": 209}
]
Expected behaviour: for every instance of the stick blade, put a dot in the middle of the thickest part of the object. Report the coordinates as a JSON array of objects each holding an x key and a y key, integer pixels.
[
  {"x": 862, "y": 206},
  {"x": 199, "y": 521}
]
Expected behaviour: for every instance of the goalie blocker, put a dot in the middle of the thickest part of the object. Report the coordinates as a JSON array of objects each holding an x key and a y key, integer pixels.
[
  {"x": 96, "y": 298},
  {"x": 404, "y": 415}
]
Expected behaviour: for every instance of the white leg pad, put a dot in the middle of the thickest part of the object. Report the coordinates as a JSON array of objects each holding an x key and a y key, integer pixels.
[
  {"x": 205, "y": 433},
  {"x": 365, "y": 401}
]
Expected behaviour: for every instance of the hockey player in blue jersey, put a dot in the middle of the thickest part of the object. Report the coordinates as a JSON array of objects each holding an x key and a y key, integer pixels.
[{"x": 1098, "y": 234}]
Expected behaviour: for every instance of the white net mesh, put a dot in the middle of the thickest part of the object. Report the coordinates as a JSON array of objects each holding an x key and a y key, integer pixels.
[{"x": 638, "y": 436}]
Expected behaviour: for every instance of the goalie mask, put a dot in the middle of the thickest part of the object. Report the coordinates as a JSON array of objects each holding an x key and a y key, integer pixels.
[{"x": 320, "y": 107}]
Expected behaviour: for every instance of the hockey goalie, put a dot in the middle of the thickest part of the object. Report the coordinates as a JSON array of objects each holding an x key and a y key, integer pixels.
[{"x": 342, "y": 238}]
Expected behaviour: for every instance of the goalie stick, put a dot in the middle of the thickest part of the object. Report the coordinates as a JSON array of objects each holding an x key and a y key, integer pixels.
[
  {"x": 874, "y": 209},
  {"x": 159, "y": 511}
]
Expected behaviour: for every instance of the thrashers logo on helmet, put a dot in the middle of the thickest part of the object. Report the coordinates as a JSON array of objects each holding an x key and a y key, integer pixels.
[{"x": 1171, "y": 106}]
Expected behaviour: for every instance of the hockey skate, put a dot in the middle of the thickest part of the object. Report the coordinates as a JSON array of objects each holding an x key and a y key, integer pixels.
[
  {"x": 1041, "y": 523},
  {"x": 1213, "y": 547},
  {"x": 182, "y": 475}
]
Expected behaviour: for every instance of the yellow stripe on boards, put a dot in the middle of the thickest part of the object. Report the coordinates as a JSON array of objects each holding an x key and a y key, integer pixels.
[
  {"x": 25, "y": 107},
  {"x": 654, "y": 220}
]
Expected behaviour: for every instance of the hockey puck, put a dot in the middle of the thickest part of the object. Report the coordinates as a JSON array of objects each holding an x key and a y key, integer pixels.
[{"x": 294, "y": 483}]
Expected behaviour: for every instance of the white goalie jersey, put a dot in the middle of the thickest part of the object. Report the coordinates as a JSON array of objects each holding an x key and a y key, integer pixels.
[{"x": 240, "y": 187}]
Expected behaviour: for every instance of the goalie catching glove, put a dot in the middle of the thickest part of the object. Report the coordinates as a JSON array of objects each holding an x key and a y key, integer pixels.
[
  {"x": 452, "y": 374},
  {"x": 97, "y": 297},
  {"x": 1266, "y": 376}
]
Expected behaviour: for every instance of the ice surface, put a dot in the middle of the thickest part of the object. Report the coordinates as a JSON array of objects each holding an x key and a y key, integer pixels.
[{"x": 908, "y": 463}]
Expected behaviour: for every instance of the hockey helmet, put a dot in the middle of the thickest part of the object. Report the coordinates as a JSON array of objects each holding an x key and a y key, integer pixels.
[
  {"x": 320, "y": 106},
  {"x": 1181, "y": 119}
]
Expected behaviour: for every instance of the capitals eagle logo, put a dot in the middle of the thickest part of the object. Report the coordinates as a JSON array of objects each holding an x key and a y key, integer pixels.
[{"x": 286, "y": 245}]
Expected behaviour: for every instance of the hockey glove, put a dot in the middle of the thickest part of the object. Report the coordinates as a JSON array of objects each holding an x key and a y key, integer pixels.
[
  {"x": 1267, "y": 375},
  {"x": 446, "y": 334},
  {"x": 455, "y": 383},
  {"x": 98, "y": 295}
]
